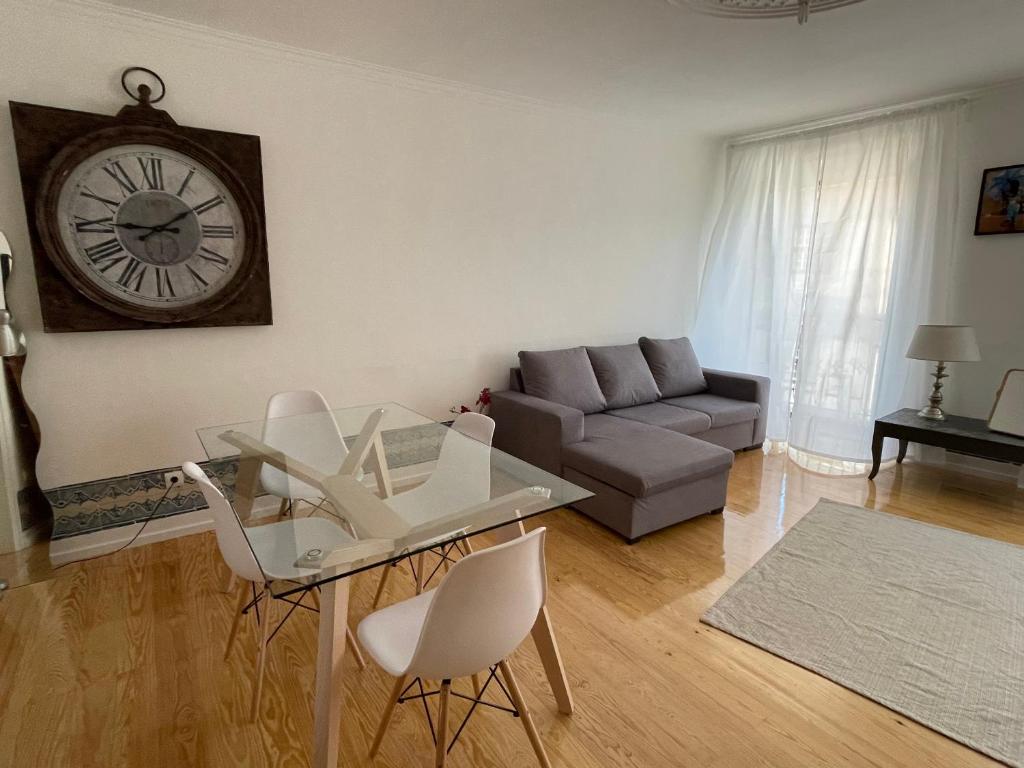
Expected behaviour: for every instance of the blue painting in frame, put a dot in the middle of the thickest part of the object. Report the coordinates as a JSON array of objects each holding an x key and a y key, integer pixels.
[{"x": 1001, "y": 201}]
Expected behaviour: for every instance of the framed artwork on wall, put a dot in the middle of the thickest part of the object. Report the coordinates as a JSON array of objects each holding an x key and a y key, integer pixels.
[
  {"x": 1001, "y": 201},
  {"x": 1008, "y": 410}
]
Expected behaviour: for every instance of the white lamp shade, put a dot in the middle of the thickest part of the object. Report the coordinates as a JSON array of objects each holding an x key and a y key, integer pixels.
[{"x": 948, "y": 343}]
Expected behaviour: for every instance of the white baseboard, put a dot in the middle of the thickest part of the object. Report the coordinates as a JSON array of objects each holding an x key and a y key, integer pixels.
[
  {"x": 971, "y": 465},
  {"x": 87, "y": 545},
  {"x": 995, "y": 470}
]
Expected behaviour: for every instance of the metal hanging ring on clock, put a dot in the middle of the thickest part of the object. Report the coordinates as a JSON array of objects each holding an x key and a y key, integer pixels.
[{"x": 139, "y": 97}]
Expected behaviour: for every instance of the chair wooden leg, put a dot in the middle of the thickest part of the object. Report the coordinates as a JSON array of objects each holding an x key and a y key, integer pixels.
[
  {"x": 421, "y": 564},
  {"x": 232, "y": 582},
  {"x": 261, "y": 662},
  {"x": 243, "y": 593},
  {"x": 468, "y": 546},
  {"x": 524, "y": 714},
  {"x": 354, "y": 647},
  {"x": 389, "y": 710},
  {"x": 283, "y": 509},
  {"x": 385, "y": 572},
  {"x": 441, "y": 749},
  {"x": 476, "y": 686}
]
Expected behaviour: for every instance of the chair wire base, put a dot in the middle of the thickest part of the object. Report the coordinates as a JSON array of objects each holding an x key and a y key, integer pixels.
[
  {"x": 258, "y": 598},
  {"x": 478, "y": 700},
  {"x": 444, "y": 554}
]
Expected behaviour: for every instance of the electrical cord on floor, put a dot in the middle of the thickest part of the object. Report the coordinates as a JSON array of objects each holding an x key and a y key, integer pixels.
[{"x": 174, "y": 483}]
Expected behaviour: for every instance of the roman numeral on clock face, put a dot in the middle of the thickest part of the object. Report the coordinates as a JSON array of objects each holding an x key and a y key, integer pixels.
[
  {"x": 164, "y": 286},
  {"x": 98, "y": 226},
  {"x": 104, "y": 250},
  {"x": 120, "y": 175},
  {"x": 132, "y": 275},
  {"x": 111, "y": 204},
  {"x": 196, "y": 276},
  {"x": 152, "y": 171},
  {"x": 212, "y": 256},
  {"x": 213, "y": 202},
  {"x": 184, "y": 184},
  {"x": 218, "y": 230}
]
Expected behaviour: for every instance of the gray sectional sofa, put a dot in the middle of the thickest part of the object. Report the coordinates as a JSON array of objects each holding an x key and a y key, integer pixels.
[{"x": 643, "y": 426}]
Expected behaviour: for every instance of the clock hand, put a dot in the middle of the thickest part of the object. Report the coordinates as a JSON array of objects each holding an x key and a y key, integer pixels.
[
  {"x": 165, "y": 227},
  {"x": 179, "y": 217},
  {"x": 159, "y": 228},
  {"x": 156, "y": 230}
]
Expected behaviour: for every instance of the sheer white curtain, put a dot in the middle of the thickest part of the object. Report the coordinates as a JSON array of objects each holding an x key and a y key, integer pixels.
[{"x": 828, "y": 251}]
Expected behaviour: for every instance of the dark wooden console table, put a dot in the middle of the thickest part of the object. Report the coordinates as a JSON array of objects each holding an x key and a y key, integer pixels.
[{"x": 957, "y": 433}]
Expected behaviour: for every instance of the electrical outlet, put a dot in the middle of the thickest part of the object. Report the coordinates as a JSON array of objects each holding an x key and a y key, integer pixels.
[{"x": 173, "y": 478}]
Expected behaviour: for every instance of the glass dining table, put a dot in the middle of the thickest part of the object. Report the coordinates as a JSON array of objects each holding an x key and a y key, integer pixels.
[{"x": 392, "y": 483}]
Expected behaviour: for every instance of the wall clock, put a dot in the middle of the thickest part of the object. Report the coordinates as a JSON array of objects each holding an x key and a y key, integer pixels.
[{"x": 137, "y": 222}]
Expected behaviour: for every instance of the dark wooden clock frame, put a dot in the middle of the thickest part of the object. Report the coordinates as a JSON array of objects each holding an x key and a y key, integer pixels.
[{"x": 51, "y": 141}]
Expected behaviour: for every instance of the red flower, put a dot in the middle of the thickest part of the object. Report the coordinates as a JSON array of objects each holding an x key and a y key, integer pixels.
[
  {"x": 463, "y": 409},
  {"x": 485, "y": 396}
]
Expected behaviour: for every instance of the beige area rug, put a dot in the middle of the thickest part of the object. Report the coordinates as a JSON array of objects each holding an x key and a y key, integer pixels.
[{"x": 925, "y": 620}]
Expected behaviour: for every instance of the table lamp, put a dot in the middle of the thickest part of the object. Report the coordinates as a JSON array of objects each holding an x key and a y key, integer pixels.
[{"x": 942, "y": 344}]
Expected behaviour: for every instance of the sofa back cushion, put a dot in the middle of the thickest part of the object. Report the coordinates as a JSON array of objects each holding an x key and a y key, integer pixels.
[
  {"x": 623, "y": 375},
  {"x": 562, "y": 376},
  {"x": 515, "y": 379},
  {"x": 674, "y": 365}
]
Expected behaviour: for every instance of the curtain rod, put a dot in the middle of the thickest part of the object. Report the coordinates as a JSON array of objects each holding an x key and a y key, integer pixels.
[{"x": 868, "y": 114}]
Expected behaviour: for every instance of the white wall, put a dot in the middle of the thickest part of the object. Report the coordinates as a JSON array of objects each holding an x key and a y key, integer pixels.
[
  {"x": 419, "y": 235},
  {"x": 988, "y": 291}
]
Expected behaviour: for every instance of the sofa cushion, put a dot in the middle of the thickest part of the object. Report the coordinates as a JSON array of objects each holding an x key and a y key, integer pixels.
[
  {"x": 674, "y": 365},
  {"x": 680, "y": 420},
  {"x": 639, "y": 459},
  {"x": 562, "y": 376},
  {"x": 723, "y": 411},
  {"x": 623, "y": 375}
]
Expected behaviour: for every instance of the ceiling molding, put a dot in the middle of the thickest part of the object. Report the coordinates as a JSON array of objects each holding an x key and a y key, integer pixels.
[
  {"x": 761, "y": 9},
  {"x": 825, "y": 123},
  {"x": 121, "y": 17}
]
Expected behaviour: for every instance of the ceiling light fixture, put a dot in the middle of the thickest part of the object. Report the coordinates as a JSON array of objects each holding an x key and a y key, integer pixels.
[{"x": 764, "y": 9}]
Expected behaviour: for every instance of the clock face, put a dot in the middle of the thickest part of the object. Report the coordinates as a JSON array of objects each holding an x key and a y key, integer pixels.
[{"x": 150, "y": 227}]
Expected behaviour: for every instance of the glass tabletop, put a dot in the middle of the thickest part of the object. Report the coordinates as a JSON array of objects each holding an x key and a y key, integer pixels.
[{"x": 370, "y": 485}]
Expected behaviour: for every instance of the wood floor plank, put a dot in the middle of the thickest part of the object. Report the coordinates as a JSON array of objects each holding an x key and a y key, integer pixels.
[{"x": 119, "y": 661}]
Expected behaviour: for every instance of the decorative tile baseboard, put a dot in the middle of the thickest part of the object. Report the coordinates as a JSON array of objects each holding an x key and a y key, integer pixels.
[
  {"x": 116, "y": 501},
  {"x": 113, "y": 502}
]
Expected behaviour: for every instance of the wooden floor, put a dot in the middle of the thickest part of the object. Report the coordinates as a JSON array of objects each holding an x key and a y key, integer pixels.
[{"x": 118, "y": 662}]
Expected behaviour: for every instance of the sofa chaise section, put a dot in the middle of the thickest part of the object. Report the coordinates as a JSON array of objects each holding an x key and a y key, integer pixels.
[
  {"x": 644, "y": 478},
  {"x": 643, "y": 426}
]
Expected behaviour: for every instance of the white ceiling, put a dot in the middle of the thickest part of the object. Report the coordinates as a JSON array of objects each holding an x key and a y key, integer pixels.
[{"x": 651, "y": 58}]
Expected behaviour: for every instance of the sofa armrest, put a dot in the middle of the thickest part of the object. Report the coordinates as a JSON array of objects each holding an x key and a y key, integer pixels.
[
  {"x": 534, "y": 429},
  {"x": 743, "y": 386}
]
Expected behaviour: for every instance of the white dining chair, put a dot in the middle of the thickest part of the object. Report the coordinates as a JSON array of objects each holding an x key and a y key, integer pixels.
[
  {"x": 461, "y": 479},
  {"x": 315, "y": 441},
  {"x": 261, "y": 554},
  {"x": 481, "y": 611}
]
